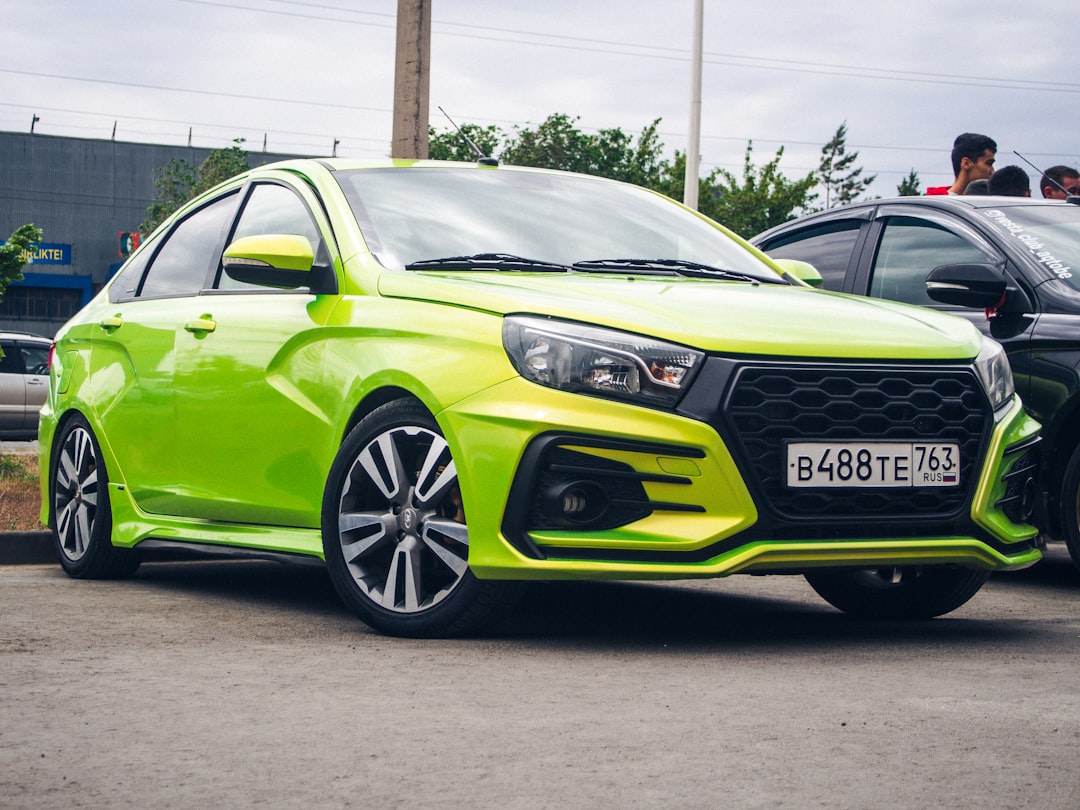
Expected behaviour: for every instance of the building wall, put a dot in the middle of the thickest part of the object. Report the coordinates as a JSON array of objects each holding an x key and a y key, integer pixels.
[{"x": 83, "y": 193}]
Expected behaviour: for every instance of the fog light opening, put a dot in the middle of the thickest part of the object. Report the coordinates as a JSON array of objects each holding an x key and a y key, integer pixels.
[
  {"x": 1028, "y": 497},
  {"x": 577, "y": 503}
]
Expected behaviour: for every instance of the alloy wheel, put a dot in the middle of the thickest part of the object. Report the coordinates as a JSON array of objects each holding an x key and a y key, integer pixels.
[
  {"x": 401, "y": 524},
  {"x": 75, "y": 495}
]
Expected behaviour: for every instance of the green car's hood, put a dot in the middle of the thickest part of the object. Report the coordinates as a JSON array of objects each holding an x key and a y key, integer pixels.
[{"x": 711, "y": 315}]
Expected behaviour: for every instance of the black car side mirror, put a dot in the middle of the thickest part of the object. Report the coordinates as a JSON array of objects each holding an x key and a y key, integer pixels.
[{"x": 981, "y": 286}]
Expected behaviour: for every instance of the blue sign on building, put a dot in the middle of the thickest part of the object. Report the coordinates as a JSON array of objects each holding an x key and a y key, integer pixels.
[
  {"x": 46, "y": 253},
  {"x": 49, "y": 253}
]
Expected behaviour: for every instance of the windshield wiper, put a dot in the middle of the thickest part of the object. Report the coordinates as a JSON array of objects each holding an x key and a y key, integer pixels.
[
  {"x": 661, "y": 266},
  {"x": 489, "y": 261}
]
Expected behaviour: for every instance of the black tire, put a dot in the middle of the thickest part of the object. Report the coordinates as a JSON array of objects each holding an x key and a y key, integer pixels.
[
  {"x": 79, "y": 510},
  {"x": 1070, "y": 506},
  {"x": 917, "y": 592},
  {"x": 394, "y": 531}
]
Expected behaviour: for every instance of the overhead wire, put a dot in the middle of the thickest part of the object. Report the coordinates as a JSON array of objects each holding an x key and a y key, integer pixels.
[{"x": 564, "y": 41}]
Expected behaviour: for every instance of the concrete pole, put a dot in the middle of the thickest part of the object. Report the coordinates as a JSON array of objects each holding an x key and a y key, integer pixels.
[
  {"x": 412, "y": 79},
  {"x": 693, "y": 147}
]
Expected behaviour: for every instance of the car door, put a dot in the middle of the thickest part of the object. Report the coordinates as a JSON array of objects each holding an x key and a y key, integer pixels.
[
  {"x": 12, "y": 389},
  {"x": 904, "y": 244},
  {"x": 252, "y": 419},
  {"x": 133, "y": 353},
  {"x": 35, "y": 358}
]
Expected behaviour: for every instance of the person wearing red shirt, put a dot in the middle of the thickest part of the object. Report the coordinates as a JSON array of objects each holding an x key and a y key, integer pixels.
[{"x": 973, "y": 158}]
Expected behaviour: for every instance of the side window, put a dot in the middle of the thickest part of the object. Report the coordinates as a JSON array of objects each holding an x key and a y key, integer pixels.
[
  {"x": 271, "y": 208},
  {"x": 827, "y": 247},
  {"x": 11, "y": 362},
  {"x": 36, "y": 358},
  {"x": 182, "y": 263},
  {"x": 908, "y": 250},
  {"x": 126, "y": 285}
]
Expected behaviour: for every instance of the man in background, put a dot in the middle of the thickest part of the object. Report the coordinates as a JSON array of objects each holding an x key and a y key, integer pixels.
[
  {"x": 973, "y": 158},
  {"x": 1058, "y": 182},
  {"x": 1010, "y": 181}
]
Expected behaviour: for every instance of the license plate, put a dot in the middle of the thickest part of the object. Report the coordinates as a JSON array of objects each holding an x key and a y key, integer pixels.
[{"x": 873, "y": 464}]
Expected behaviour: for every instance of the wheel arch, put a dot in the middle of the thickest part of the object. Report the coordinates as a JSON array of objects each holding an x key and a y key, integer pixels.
[
  {"x": 1064, "y": 436},
  {"x": 376, "y": 398},
  {"x": 54, "y": 448}
]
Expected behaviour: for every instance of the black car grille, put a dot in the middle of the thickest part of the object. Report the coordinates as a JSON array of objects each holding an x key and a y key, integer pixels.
[{"x": 769, "y": 406}]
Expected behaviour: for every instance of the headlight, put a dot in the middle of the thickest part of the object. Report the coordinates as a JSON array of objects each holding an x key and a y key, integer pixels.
[
  {"x": 994, "y": 371},
  {"x": 592, "y": 360}
]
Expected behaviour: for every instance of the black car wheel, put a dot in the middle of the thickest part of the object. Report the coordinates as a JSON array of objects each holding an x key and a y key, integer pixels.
[
  {"x": 1070, "y": 506},
  {"x": 394, "y": 531},
  {"x": 917, "y": 592},
  {"x": 79, "y": 508}
]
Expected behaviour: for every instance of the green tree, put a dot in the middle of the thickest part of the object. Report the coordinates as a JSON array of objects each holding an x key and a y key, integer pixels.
[
  {"x": 179, "y": 181},
  {"x": 14, "y": 256},
  {"x": 219, "y": 166},
  {"x": 642, "y": 162},
  {"x": 763, "y": 198},
  {"x": 449, "y": 144},
  {"x": 172, "y": 188},
  {"x": 842, "y": 180},
  {"x": 909, "y": 186},
  {"x": 557, "y": 143}
]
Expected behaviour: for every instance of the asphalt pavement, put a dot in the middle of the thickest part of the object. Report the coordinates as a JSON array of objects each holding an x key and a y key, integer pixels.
[{"x": 247, "y": 684}]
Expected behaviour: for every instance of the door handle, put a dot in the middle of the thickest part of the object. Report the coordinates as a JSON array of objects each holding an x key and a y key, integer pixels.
[
  {"x": 111, "y": 322},
  {"x": 202, "y": 325}
]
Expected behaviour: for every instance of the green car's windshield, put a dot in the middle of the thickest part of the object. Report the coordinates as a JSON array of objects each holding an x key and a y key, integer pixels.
[
  {"x": 1050, "y": 233},
  {"x": 419, "y": 215}
]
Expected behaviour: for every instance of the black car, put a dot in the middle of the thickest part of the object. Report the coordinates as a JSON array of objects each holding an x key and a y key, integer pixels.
[{"x": 1010, "y": 265}]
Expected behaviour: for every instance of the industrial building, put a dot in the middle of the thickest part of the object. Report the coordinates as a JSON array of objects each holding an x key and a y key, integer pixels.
[{"x": 88, "y": 196}]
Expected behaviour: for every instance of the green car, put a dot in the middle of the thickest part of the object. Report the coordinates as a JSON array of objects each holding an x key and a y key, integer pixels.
[{"x": 443, "y": 380}]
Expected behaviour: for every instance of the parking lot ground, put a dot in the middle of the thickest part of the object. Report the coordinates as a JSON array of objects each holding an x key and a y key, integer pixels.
[{"x": 247, "y": 684}]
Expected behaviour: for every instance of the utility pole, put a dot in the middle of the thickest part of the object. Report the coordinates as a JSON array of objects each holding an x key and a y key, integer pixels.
[
  {"x": 412, "y": 79},
  {"x": 693, "y": 148}
]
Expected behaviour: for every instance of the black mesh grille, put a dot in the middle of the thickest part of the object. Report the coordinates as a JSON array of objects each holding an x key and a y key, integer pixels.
[{"x": 769, "y": 406}]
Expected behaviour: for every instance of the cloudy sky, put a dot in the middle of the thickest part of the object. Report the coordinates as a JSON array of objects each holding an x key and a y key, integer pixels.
[{"x": 300, "y": 74}]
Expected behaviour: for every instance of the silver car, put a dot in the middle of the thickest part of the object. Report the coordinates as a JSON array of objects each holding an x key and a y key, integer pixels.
[{"x": 24, "y": 383}]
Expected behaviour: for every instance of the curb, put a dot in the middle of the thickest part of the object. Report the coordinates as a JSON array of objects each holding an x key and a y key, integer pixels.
[{"x": 27, "y": 548}]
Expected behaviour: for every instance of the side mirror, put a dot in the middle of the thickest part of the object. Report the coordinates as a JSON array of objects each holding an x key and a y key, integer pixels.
[
  {"x": 279, "y": 260},
  {"x": 980, "y": 286},
  {"x": 803, "y": 271}
]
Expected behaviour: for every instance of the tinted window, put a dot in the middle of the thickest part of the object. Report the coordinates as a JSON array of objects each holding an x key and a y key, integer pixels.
[
  {"x": 181, "y": 265},
  {"x": 11, "y": 362},
  {"x": 272, "y": 209},
  {"x": 827, "y": 247},
  {"x": 36, "y": 358},
  {"x": 126, "y": 285},
  {"x": 908, "y": 250}
]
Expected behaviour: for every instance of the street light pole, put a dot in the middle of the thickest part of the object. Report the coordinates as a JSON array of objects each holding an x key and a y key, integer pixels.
[{"x": 693, "y": 148}]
